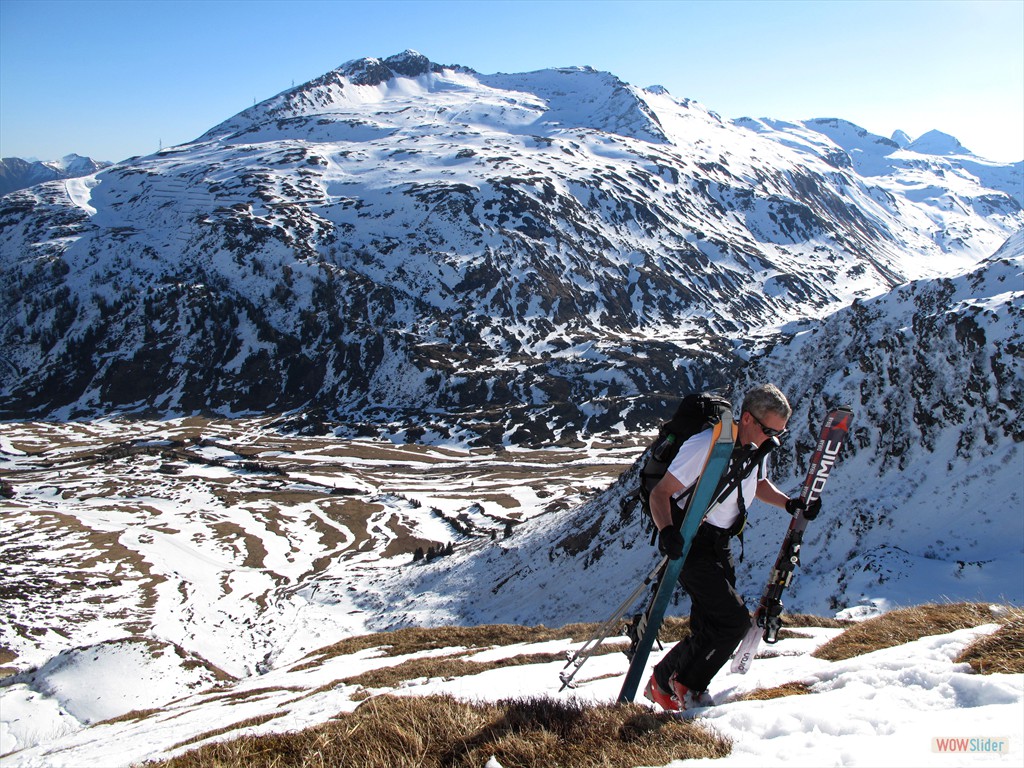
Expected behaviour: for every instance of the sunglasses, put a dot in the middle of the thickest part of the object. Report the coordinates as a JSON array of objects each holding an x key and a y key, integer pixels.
[{"x": 768, "y": 431}]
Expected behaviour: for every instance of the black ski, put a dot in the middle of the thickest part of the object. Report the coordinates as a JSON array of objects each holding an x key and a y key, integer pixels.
[{"x": 768, "y": 616}]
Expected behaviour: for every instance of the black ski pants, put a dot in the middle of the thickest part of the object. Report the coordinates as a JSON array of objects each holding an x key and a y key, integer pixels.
[{"x": 718, "y": 618}]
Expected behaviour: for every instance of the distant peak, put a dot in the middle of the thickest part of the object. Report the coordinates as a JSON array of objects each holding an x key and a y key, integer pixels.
[
  {"x": 901, "y": 138},
  {"x": 660, "y": 90},
  {"x": 938, "y": 143},
  {"x": 409, "y": 63}
]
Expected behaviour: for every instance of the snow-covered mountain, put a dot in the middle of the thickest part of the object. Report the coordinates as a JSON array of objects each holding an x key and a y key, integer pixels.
[
  {"x": 494, "y": 258},
  {"x": 17, "y": 173},
  {"x": 934, "y": 168}
]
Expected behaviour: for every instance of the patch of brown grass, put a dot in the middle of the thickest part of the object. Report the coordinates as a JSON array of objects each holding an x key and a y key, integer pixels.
[
  {"x": 904, "y": 625},
  {"x": 673, "y": 629},
  {"x": 400, "y": 642},
  {"x": 810, "y": 620},
  {"x": 250, "y": 723},
  {"x": 795, "y": 688},
  {"x": 1000, "y": 652},
  {"x": 255, "y": 693},
  {"x": 443, "y": 667},
  {"x": 442, "y": 732},
  {"x": 413, "y": 669},
  {"x": 136, "y": 715}
]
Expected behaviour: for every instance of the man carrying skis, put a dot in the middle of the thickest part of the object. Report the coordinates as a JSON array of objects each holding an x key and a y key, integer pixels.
[{"x": 718, "y": 617}]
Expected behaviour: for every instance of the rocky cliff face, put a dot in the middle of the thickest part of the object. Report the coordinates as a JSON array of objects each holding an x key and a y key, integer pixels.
[{"x": 421, "y": 250}]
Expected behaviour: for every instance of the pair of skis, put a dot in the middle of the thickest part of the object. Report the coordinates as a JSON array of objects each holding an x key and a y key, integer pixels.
[
  {"x": 768, "y": 616},
  {"x": 666, "y": 573}
]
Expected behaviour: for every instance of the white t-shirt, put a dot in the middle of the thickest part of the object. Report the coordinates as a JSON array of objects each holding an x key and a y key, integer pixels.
[{"x": 686, "y": 468}]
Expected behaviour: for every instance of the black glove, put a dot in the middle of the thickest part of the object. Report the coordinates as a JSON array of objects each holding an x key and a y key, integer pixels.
[
  {"x": 810, "y": 511},
  {"x": 670, "y": 542}
]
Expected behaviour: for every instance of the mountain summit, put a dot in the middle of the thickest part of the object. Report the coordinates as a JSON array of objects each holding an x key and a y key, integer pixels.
[
  {"x": 414, "y": 249},
  {"x": 370, "y": 71},
  {"x": 938, "y": 143}
]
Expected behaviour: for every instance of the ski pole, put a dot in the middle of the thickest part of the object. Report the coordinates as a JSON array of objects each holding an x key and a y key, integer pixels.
[{"x": 577, "y": 659}]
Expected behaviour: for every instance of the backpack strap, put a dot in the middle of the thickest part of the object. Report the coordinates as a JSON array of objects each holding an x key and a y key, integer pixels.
[
  {"x": 741, "y": 522},
  {"x": 761, "y": 474}
]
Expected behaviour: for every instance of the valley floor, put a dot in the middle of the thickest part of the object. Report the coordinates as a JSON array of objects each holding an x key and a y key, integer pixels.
[{"x": 217, "y": 536}]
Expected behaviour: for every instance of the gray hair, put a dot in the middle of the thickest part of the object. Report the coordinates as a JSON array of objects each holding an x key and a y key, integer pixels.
[{"x": 767, "y": 397}]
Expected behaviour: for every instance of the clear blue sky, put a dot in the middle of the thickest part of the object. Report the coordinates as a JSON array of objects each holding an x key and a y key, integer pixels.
[{"x": 114, "y": 79}]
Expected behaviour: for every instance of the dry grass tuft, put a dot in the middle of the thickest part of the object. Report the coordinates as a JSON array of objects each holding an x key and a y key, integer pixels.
[
  {"x": 795, "y": 688},
  {"x": 904, "y": 626},
  {"x": 810, "y": 620},
  {"x": 135, "y": 716},
  {"x": 255, "y": 693},
  {"x": 445, "y": 667},
  {"x": 673, "y": 629},
  {"x": 413, "y": 669},
  {"x": 1000, "y": 652},
  {"x": 401, "y": 642},
  {"x": 442, "y": 732}
]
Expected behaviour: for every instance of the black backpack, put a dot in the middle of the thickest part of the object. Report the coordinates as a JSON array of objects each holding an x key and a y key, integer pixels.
[{"x": 696, "y": 412}]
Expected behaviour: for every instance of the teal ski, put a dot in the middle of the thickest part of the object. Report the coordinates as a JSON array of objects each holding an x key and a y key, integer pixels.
[{"x": 722, "y": 446}]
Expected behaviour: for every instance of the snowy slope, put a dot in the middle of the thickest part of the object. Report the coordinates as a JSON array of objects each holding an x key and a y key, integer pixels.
[
  {"x": 567, "y": 565},
  {"x": 171, "y": 531},
  {"x": 402, "y": 242},
  {"x": 930, "y": 494},
  {"x": 435, "y": 255},
  {"x": 945, "y": 185},
  {"x": 107, "y": 680},
  {"x": 933, "y": 373},
  {"x": 238, "y": 543}
]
